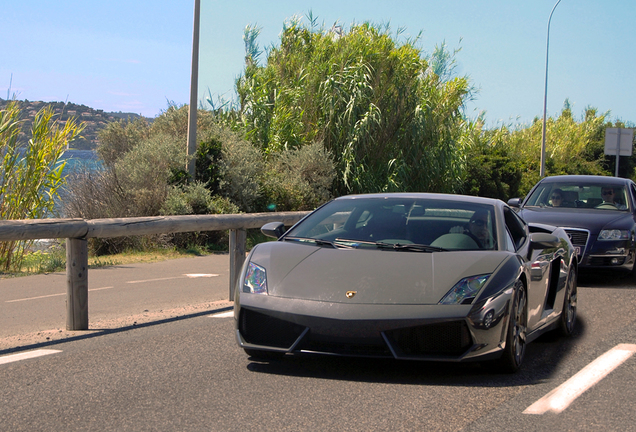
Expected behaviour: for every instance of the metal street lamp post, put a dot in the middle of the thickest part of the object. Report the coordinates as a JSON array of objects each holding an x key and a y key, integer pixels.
[
  {"x": 545, "y": 96},
  {"x": 194, "y": 79}
]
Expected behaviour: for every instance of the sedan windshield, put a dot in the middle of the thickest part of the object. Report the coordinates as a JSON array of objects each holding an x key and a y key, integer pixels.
[
  {"x": 400, "y": 224},
  {"x": 570, "y": 195}
]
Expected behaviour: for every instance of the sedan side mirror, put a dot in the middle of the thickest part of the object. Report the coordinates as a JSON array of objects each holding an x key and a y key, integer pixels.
[
  {"x": 515, "y": 202},
  {"x": 273, "y": 229}
]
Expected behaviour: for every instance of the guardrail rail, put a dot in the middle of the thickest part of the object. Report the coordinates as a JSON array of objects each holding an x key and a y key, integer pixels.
[{"x": 78, "y": 231}]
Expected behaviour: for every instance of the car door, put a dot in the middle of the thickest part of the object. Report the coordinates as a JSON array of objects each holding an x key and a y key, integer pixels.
[{"x": 537, "y": 267}]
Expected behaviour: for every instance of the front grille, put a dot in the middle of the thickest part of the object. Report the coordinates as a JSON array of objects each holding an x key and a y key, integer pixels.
[
  {"x": 260, "y": 329},
  {"x": 578, "y": 237},
  {"x": 444, "y": 339}
]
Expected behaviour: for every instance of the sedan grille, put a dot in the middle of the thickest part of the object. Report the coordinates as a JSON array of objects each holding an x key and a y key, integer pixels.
[
  {"x": 260, "y": 329},
  {"x": 578, "y": 238},
  {"x": 444, "y": 339}
]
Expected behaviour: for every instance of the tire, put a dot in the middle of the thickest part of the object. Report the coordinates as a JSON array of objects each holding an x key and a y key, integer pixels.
[
  {"x": 263, "y": 355},
  {"x": 567, "y": 322},
  {"x": 515, "y": 350}
]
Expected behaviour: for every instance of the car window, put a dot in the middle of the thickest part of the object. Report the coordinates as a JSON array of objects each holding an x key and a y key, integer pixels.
[
  {"x": 441, "y": 223},
  {"x": 516, "y": 227},
  {"x": 572, "y": 195}
]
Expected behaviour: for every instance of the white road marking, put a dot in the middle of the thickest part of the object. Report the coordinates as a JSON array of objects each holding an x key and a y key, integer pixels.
[
  {"x": 561, "y": 397},
  {"x": 223, "y": 314},
  {"x": 173, "y": 277},
  {"x": 27, "y": 355},
  {"x": 191, "y": 276},
  {"x": 52, "y": 295}
]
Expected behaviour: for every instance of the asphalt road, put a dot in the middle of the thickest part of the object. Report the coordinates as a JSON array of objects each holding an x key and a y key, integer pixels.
[
  {"x": 34, "y": 308},
  {"x": 186, "y": 373}
]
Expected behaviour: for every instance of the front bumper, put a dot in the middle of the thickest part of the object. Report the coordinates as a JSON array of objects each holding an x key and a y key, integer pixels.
[
  {"x": 413, "y": 332},
  {"x": 595, "y": 254},
  {"x": 615, "y": 255}
]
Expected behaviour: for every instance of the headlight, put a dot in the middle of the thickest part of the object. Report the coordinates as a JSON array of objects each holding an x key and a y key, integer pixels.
[
  {"x": 465, "y": 290},
  {"x": 255, "y": 279},
  {"x": 614, "y": 235}
]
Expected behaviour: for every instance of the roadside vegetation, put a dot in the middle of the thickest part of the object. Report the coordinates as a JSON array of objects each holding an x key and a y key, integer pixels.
[{"x": 325, "y": 112}]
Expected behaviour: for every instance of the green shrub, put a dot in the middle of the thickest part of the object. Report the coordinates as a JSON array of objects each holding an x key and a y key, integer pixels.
[
  {"x": 31, "y": 172},
  {"x": 241, "y": 169},
  {"x": 299, "y": 179}
]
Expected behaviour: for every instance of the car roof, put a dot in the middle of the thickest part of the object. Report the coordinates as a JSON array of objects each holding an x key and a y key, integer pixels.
[
  {"x": 426, "y": 195},
  {"x": 586, "y": 179}
]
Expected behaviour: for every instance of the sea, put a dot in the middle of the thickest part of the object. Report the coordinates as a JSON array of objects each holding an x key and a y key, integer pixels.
[{"x": 77, "y": 161}]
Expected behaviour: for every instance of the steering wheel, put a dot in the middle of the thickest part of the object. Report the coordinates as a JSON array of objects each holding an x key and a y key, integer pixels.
[{"x": 607, "y": 205}]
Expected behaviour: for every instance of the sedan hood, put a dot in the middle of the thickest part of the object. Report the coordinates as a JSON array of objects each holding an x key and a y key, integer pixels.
[
  {"x": 310, "y": 272},
  {"x": 590, "y": 219}
]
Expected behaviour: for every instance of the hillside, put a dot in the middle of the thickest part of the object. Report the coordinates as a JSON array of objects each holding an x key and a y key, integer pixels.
[{"x": 94, "y": 119}]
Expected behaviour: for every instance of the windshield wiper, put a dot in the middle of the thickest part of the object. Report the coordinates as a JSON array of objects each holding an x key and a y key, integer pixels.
[
  {"x": 318, "y": 242},
  {"x": 397, "y": 246},
  {"x": 415, "y": 247}
]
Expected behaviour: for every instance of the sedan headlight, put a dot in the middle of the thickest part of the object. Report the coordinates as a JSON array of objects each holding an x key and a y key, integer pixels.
[
  {"x": 465, "y": 290},
  {"x": 255, "y": 279},
  {"x": 614, "y": 234}
]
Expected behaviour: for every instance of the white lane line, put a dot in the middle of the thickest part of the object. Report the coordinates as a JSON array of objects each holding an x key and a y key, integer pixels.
[
  {"x": 27, "y": 355},
  {"x": 561, "y": 397},
  {"x": 190, "y": 276},
  {"x": 197, "y": 275},
  {"x": 223, "y": 314},
  {"x": 52, "y": 295}
]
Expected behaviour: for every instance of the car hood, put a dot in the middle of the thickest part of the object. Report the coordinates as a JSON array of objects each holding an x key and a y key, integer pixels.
[
  {"x": 590, "y": 219},
  {"x": 376, "y": 276}
]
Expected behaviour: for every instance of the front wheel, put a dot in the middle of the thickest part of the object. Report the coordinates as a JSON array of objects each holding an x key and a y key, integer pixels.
[
  {"x": 568, "y": 313},
  {"x": 515, "y": 350}
]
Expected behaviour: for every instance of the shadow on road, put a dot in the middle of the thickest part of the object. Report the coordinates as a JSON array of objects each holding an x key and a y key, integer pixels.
[
  {"x": 543, "y": 357},
  {"x": 95, "y": 333},
  {"x": 606, "y": 279}
]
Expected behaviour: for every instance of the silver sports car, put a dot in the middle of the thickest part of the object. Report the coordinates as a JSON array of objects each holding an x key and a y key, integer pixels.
[{"x": 408, "y": 276}]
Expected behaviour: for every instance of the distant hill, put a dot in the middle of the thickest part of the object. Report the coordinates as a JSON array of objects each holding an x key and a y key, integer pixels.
[{"x": 94, "y": 119}]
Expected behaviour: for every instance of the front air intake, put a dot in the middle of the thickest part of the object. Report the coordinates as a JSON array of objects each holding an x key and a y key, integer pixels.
[
  {"x": 260, "y": 329},
  {"x": 443, "y": 339}
]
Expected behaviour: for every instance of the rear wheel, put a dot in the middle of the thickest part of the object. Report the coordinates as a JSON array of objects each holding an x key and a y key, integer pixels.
[
  {"x": 568, "y": 314},
  {"x": 515, "y": 350}
]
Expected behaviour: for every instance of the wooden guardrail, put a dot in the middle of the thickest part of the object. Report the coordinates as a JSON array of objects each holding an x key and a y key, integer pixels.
[{"x": 77, "y": 231}]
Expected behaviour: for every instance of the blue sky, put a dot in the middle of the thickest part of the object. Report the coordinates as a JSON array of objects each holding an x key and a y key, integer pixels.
[{"x": 134, "y": 56}]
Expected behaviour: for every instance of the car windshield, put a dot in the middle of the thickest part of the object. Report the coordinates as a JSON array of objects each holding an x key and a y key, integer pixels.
[
  {"x": 400, "y": 224},
  {"x": 572, "y": 195}
]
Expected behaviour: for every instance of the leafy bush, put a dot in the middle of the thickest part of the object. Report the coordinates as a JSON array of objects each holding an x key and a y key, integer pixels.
[
  {"x": 390, "y": 117},
  {"x": 299, "y": 179},
  {"x": 196, "y": 199},
  {"x": 241, "y": 168},
  {"x": 31, "y": 172},
  {"x": 118, "y": 138}
]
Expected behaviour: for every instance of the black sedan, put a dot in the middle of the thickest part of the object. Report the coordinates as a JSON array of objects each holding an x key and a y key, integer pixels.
[
  {"x": 407, "y": 276},
  {"x": 598, "y": 213}
]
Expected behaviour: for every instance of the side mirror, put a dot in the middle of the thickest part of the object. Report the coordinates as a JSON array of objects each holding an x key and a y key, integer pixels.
[
  {"x": 515, "y": 202},
  {"x": 544, "y": 241},
  {"x": 273, "y": 229}
]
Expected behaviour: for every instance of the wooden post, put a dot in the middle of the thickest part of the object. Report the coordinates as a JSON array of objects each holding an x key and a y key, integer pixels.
[
  {"x": 237, "y": 257},
  {"x": 76, "y": 284}
]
